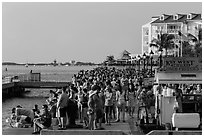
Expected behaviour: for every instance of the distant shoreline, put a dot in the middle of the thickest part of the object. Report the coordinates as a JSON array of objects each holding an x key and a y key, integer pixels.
[{"x": 49, "y": 64}]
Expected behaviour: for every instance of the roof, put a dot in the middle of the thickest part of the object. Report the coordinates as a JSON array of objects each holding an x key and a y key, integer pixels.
[
  {"x": 182, "y": 18},
  {"x": 125, "y": 55},
  {"x": 125, "y": 52},
  {"x": 198, "y": 17}
]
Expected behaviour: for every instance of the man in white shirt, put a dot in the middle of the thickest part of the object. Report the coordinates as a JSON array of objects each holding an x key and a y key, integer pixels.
[{"x": 62, "y": 108}]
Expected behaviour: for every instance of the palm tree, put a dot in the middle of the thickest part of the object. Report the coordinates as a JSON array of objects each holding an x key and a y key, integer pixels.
[
  {"x": 110, "y": 59},
  {"x": 163, "y": 41}
]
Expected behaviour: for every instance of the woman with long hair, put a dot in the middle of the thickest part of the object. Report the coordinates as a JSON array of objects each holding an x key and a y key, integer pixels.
[{"x": 131, "y": 100}]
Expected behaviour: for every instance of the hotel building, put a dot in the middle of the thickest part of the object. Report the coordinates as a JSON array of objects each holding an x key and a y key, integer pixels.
[{"x": 184, "y": 27}]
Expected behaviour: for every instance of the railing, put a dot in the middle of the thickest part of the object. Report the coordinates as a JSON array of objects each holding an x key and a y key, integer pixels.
[
  {"x": 172, "y": 31},
  {"x": 7, "y": 80},
  {"x": 22, "y": 77}
]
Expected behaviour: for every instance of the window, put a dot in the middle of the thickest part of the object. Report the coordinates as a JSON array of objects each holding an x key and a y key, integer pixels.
[
  {"x": 189, "y": 16},
  {"x": 162, "y": 17},
  {"x": 176, "y": 17},
  {"x": 188, "y": 75},
  {"x": 147, "y": 32}
]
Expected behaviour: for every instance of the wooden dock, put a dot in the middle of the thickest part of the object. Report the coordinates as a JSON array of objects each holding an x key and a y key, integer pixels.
[
  {"x": 7, "y": 85},
  {"x": 16, "y": 89}
]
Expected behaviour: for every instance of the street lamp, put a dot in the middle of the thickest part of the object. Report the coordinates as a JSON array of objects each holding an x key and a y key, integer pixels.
[
  {"x": 144, "y": 57},
  {"x": 151, "y": 57},
  {"x": 134, "y": 60},
  {"x": 138, "y": 63},
  {"x": 160, "y": 58},
  {"x": 147, "y": 60}
]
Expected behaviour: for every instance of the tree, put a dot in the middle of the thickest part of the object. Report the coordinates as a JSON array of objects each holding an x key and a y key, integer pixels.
[
  {"x": 194, "y": 50},
  {"x": 163, "y": 41},
  {"x": 110, "y": 59}
]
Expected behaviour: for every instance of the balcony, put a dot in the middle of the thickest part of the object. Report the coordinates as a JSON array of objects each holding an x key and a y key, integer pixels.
[{"x": 173, "y": 31}]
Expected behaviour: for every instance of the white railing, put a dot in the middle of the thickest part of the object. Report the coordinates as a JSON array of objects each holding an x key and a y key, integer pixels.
[
  {"x": 22, "y": 77},
  {"x": 6, "y": 80},
  {"x": 172, "y": 31}
]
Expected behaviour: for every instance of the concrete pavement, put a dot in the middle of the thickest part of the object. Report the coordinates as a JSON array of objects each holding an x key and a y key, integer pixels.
[{"x": 119, "y": 128}]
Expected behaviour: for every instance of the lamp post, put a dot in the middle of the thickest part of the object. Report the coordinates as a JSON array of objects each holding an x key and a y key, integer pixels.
[
  {"x": 160, "y": 58},
  {"x": 134, "y": 61},
  {"x": 144, "y": 57},
  {"x": 147, "y": 60},
  {"x": 139, "y": 63},
  {"x": 151, "y": 57}
]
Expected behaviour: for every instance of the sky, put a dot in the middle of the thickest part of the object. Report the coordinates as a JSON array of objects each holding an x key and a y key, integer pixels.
[{"x": 83, "y": 31}]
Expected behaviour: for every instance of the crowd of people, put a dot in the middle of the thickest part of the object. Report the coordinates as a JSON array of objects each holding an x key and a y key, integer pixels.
[
  {"x": 97, "y": 96},
  {"x": 101, "y": 95}
]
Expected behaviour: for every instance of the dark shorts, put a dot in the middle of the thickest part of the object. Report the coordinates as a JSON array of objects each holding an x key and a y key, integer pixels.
[
  {"x": 107, "y": 109},
  {"x": 99, "y": 114},
  {"x": 62, "y": 112}
]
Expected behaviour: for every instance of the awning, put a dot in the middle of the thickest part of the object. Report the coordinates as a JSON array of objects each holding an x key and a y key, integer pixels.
[{"x": 178, "y": 78}]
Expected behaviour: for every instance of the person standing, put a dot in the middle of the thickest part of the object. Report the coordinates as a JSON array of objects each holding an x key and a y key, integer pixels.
[
  {"x": 85, "y": 108},
  {"x": 98, "y": 109},
  {"x": 91, "y": 107},
  {"x": 62, "y": 108},
  {"x": 123, "y": 97},
  {"x": 113, "y": 107},
  {"x": 178, "y": 94},
  {"x": 72, "y": 109},
  {"x": 118, "y": 103},
  {"x": 79, "y": 100},
  {"x": 52, "y": 102},
  {"x": 108, "y": 102},
  {"x": 131, "y": 99}
]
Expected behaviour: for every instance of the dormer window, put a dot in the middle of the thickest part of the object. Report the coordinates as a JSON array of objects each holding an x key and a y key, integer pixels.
[
  {"x": 189, "y": 16},
  {"x": 162, "y": 17},
  {"x": 176, "y": 17}
]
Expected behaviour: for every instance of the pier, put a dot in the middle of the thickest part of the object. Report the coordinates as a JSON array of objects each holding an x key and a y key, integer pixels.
[{"x": 16, "y": 85}]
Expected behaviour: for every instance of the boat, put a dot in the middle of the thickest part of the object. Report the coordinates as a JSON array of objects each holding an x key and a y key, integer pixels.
[
  {"x": 55, "y": 63},
  {"x": 26, "y": 65}
]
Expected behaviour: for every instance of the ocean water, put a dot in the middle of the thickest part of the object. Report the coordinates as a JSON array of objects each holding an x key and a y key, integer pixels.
[{"x": 36, "y": 96}]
